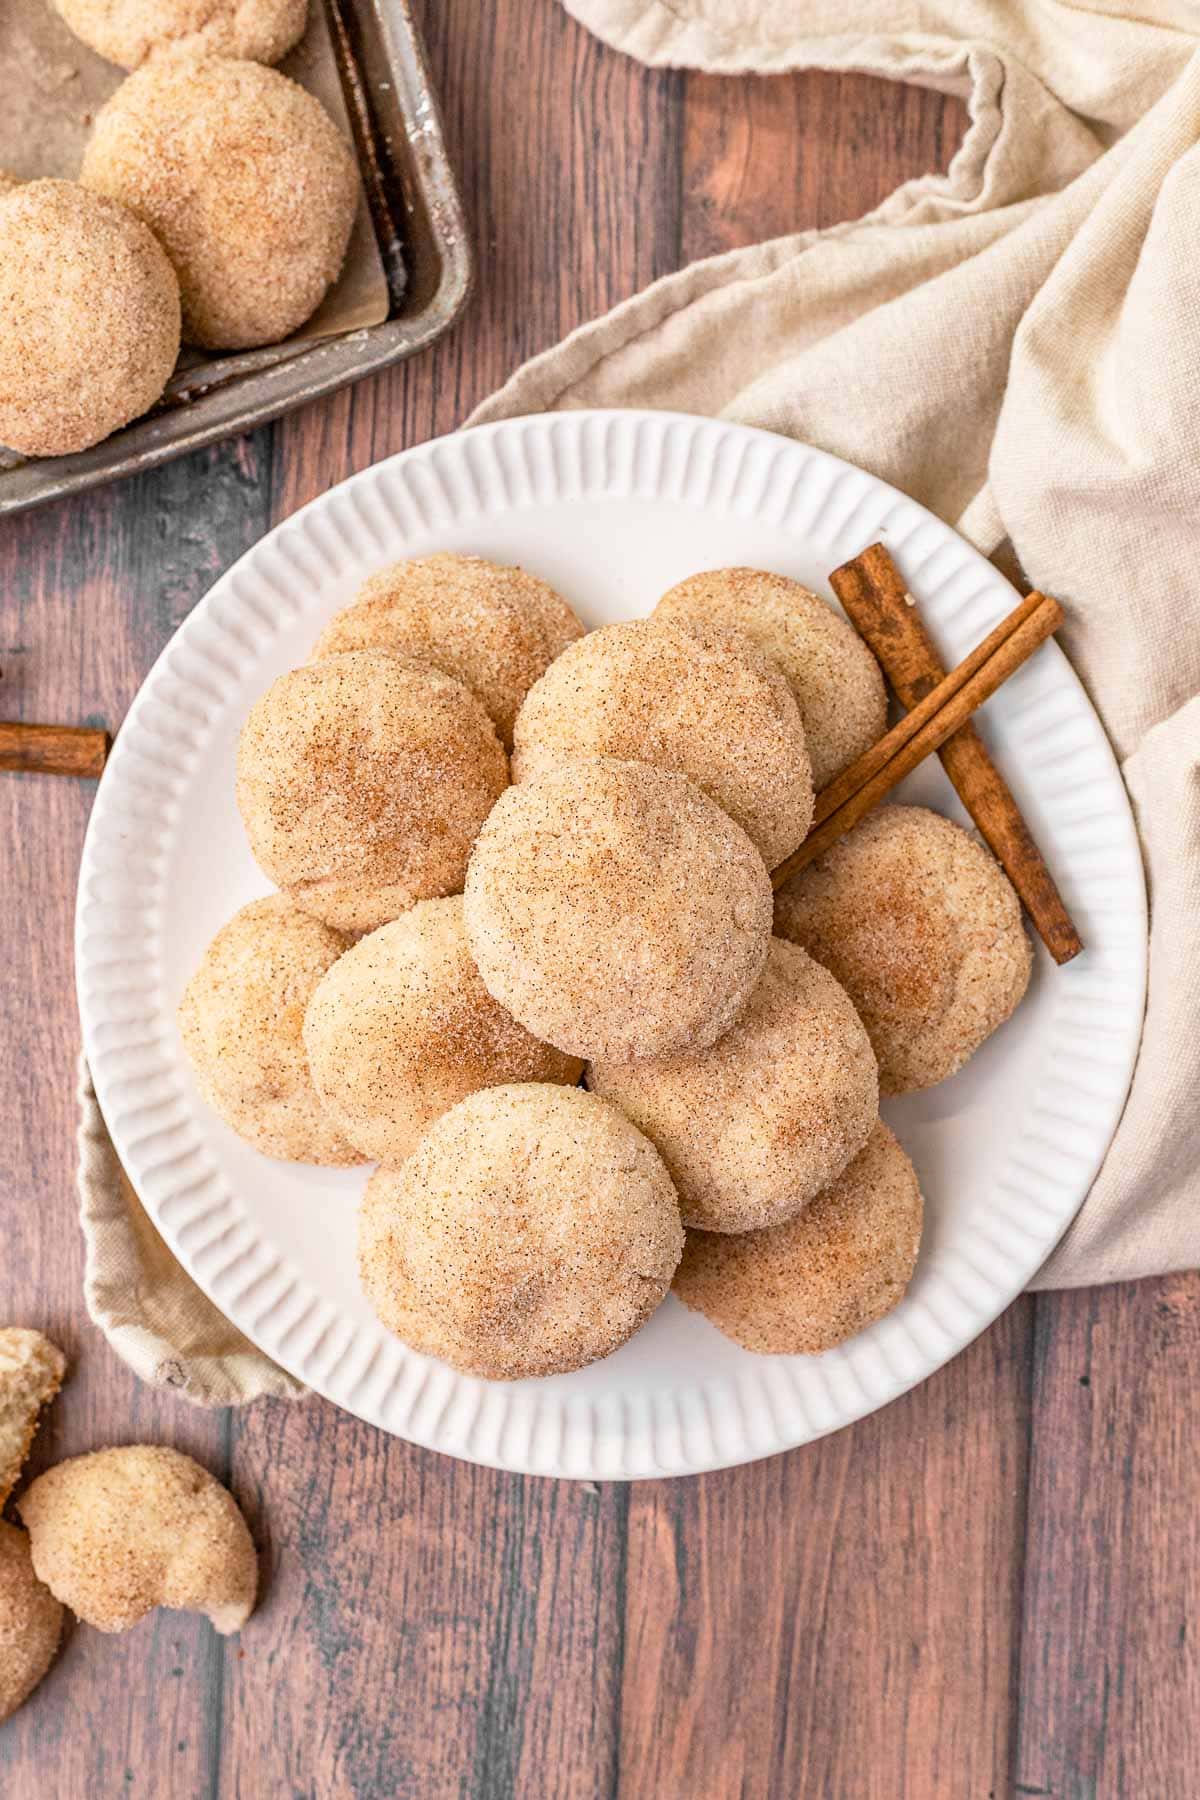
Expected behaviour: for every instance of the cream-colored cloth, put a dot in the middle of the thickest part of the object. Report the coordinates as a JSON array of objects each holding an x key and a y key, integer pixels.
[
  {"x": 152, "y": 1313},
  {"x": 1016, "y": 344}
]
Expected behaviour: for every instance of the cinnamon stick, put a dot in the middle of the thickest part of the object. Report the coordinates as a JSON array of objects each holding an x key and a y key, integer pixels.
[
  {"x": 923, "y": 731},
  {"x": 872, "y": 591},
  {"x": 861, "y": 770},
  {"x": 53, "y": 749}
]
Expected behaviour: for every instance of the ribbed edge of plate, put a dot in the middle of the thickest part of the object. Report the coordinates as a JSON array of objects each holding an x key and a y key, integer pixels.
[{"x": 542, "y": 1427}]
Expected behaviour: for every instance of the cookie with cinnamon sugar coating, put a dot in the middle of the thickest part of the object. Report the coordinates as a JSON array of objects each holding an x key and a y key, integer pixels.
[
  {"x": 127, "y": 31},
  {"x": 401, "y": 1028},
  {"x": 755, "y": 1125},
  {"x": 832, "y": 673},
  {"x": 616, "y": 911},
  {"x": 118, "y": 1532},
  {"x": 243, "y": 178},
  {"x": 702, "y": 703},
  {"x": 241, "y": 1020},
  {"x": 808, "y": 1285},
  {"x": 532, "y": 1231},
  {"x": 30, "y": 1622},
  {"x": 923, "y": 929},
  {"x": 492, "y": 625},
  {"x": 362, "y": 781}
]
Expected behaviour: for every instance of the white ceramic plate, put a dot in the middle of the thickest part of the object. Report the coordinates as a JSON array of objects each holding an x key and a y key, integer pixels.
[{"x": 612, "y": 508}]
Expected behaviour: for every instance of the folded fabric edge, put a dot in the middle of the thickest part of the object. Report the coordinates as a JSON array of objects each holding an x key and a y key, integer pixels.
[{"x": 116, "y": 1281}]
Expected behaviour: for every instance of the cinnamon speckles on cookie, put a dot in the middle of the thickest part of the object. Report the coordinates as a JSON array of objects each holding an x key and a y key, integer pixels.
[
  {"x": 755, "y": 1126},
  {"x": 808, "y": 1285},
  {"x": 923, "y": 929},
  {"x": 362, "y": 782},
  {"x": 832, "y": 673},
  {"x": 615, "y": 910},
  {"x": 492, "y": 625},
  {"x": 242, "y": 1018},
  {"x": 89, "y": 317},
  {"x": 244, "y": 179},
  {"x": 700, "y": 703},
  {"x": 402, "y": 1028},
  {"x": 533, "y": 1230}
]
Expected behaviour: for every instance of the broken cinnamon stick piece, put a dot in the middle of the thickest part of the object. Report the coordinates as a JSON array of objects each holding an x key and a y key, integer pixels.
[
  {"x": 53, "y": 749},
  {"x": 924, "y": 730},
  {"x": 874, "y": 596}
]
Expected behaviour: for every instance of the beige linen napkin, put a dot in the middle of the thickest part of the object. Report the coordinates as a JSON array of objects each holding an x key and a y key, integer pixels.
[{"x": 1017, "y": 345}]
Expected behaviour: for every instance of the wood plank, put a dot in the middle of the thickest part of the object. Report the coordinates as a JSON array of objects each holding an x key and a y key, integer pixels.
[
  {"x": 842, "y": 1620},
  {"x": 766, "y": 157},
  {"x": 1110, "y": 1667},
  {"x": 429, "y": 1629},
  {"x": 91, "y": 590}
]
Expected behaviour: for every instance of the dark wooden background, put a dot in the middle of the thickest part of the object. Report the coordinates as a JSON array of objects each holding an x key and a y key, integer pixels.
[{"x": 987, "y": 1589}]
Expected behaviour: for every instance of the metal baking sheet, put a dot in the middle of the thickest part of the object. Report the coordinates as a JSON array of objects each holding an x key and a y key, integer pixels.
[{"x": 422, "y": 243}]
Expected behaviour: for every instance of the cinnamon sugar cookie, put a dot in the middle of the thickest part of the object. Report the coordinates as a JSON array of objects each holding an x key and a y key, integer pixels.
[
  {"x": 803, "y": 1287},
  {"x": 832, "y": 673},
  {"x": 757, "y": 1124},
  {"x": 126, "y": 31},
  {"x": 30, "y": 1622},
  {"x": 89, "y": 318},
  {"x": 31, "y": 1373},
  {"x": 532, "y": 1231},
  {"x": 494, "y": 627},
  {"x": 923, "y": 929},
  {"x": 616, "y": 911},
  {"x": 362, "y": 782},
  {"x": 245, "y": 180},
  {"x": 701, "y": 704},
  {"x": 241, "y": 1020},
  {"x": 402, "y": 1028},
  {"x": 118, "y": 1532}
]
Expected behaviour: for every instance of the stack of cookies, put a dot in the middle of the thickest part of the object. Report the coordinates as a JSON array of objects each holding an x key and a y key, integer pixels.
[{"x": 513, "y": 857}]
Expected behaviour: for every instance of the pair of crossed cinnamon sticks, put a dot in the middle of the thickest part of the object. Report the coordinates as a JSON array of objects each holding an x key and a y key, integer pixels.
[{"x": 874, "y": 596}]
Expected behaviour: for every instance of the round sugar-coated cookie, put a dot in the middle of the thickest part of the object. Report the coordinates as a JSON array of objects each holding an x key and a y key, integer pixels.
[
  {"x": 616, "y": 911},
  {"x": 89, "y": 318},
  {"x": 494, "y": 626},
  {"x": 242, "y": 1021},
  {"x": 362, "y": 782},
  {"x": 245, "y": 180},
  {"x": 126, "y": 31},
  {"x": 532, "y": 1231},
  {"x": 835, "y": 678},
  {"x": 402, "y": 1028},
  {"x": 923, "y": 929},
  {"x": 837, "y": 1267},
  {"x": 702, "y": 704},
  {"x": 757, "y": 1124}
]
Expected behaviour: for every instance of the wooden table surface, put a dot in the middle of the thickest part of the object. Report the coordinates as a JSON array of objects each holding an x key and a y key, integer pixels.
[{"x": 987, "y": 1589}]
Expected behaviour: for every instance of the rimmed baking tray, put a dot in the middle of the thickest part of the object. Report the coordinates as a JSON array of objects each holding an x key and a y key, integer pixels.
[{"x": 421, "y": 234}]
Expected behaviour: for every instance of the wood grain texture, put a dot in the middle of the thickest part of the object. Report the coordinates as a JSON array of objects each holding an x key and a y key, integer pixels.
[
  {"x": 763, "y": 158},
  {"x": 91, "y": 590},
  {"x": 1110, "y": 1678},
  {"x": 841, "y": 1621},
  {"x": 837, "y": 1623}
]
